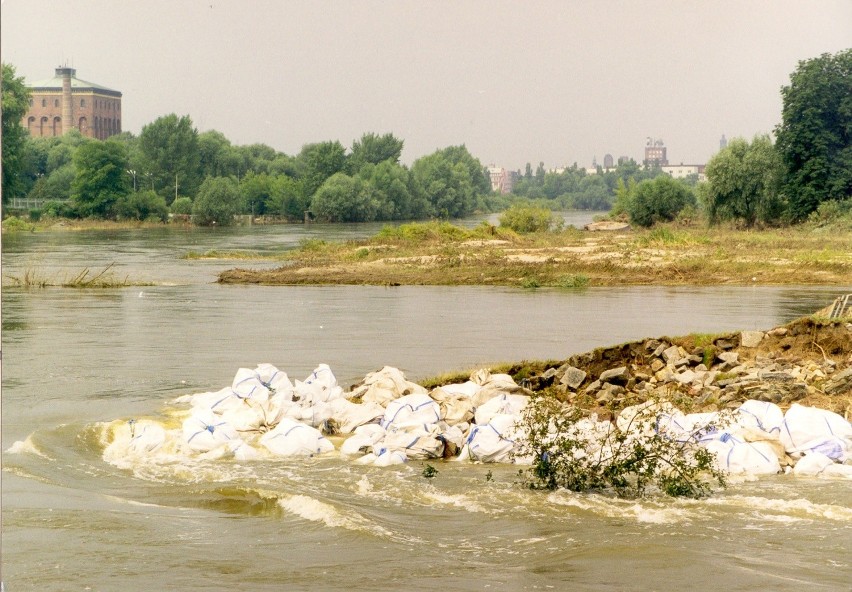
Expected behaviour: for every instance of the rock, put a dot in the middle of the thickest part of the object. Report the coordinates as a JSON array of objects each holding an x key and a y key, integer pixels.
[
  {"x": 605, "y": 397},
  {"x": 593, "y": 386},
  {"x": 573, "y": 377},
  {"x": 723, "y": 344},
  {"x": 777, "y": 331},
  {"x": 701, "y": 368},
  {"x": 672, "y": 354},
  {"x": 839, "y": 383},
  {"x": 685, "y": 377},
  {"x": 729, "y": 357},
  {"x": 751, "y": 338},
  {"x": 607, "y": 225},
  {"x": 657, "y": 365},
  {"x": 770, "y": 376},
  {"x": 615, "y": 375}
]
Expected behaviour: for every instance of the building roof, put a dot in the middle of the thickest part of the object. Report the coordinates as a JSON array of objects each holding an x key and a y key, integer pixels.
[{"x": 55, "y": 83}]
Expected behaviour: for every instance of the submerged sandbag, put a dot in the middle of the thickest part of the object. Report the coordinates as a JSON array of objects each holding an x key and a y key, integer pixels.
[
  {"x": 760, "y": 414},
  {"x": 204, "y": 431},
  {"x": 495, "y": 441},
  {"x": 292, "y": 438},
  {"x": 411, "y": 410}
]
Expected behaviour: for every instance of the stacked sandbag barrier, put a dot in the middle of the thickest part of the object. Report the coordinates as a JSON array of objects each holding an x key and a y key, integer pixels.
[{"x": 388, "y": 420}]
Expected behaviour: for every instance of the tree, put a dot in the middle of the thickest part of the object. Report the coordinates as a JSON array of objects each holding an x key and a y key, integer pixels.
[
  {"x": 169, "y": 147},
  {"x": 344, "y": 199},
  {"x": 743, "y": 182},
  {"x": 101, "y": 178},
  {"x": 658, "y": 200},
  {"x": 390, "y": 184},
  {"x": 373, "y": 149},
  {"x": 217, "y": 202},
  {"x": 15, "y": 102},
  {"x": 318, "y": 162},
  {"x": 451, "y": 181},
  {"x": 815, "y": 134}
]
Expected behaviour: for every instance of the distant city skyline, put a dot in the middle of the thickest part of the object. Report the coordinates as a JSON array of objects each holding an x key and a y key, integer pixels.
[{"x": 515, "y": 82}]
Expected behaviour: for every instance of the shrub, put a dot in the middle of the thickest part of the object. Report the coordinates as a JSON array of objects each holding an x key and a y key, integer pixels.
[
  {"x": 35, "y": 215},
  {"x": 142, "y": 205},
  {"x": 657, "y": 200},
  {"x": 182, "y": 206},
  {"x": 570, "y": 451},
  {"x": 59, "y": 209},
  {"x": 527, "y": 218},
  {"x": 15, "y": 224}
]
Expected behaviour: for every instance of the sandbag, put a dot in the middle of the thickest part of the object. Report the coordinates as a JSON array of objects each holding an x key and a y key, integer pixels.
[
  {"x": 349, "y": 415},
  {"x": 420, "y": 441},
  {"x": 812, "y": 464},
  {"x": 808, "y": 429},
  {"x": 204, "y": 430},
  {"x": 411, "y": 410},
  {"x": 492, "y": 442},
  {"x": 320, "y": 387},
  {"x": 760, "y": 414},
  {"x": 737, "y": 456},
  {"x": 363, "y": 439},
  {"x": 384, "y": 386},
  {"x": 292, "y": 438},
  {"x": 501, "y": 404}
]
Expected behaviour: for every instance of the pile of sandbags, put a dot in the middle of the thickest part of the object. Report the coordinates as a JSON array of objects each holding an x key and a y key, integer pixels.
[{"x": 388, "y": 420}]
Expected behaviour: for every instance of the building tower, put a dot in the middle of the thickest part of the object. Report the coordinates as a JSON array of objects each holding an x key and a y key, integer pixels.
[
  {"x": 655, "y": 153},
  {"x": 723, "y": 142},
  {"x": 64, "y": 102},
  {"x": 608, "y": 163}
]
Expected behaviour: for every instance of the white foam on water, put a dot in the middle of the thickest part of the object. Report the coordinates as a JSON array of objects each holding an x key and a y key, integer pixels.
[
  {"x": 646, "y": 511},
  {"x": 26, "y": 446},
  {"x": 455, "y": 500},
  {"x": 791, "y": 507},
  {"x": 308, "y": 508}
]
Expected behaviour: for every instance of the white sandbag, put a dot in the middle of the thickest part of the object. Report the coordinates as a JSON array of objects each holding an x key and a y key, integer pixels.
[
  {"x": 837, "y": 471},
  {"x": 643, "y": 418},
  {"x": 243, "y": 451},
  {"x": 384, "y": 386},
  {"x": 501, "y": 404},
  {"x": 292, "y": 438},
  {"x": 497, "y": 384},
  {"x": 454, "y": 409},
  {"x": 274, "y": 379},
  {"x": 244, "y": 417},
  {"x": 145, "y": 436},
  {"x": 349, "y": 415},
  {"x": 362, "y": 439},
  {"x": 492, "y": 442},
  {"x": 760, "y": 414},
  {"x": 737, "y": 456},
  {"x": 452, "y": 434},
  {"x": 464, "y": 389},
  {"x": 204, "y": 430},
  {"x": 417, "y": 441},
  {"x": 411, "y": 410},
  {"x": 812, "y": 464},
  {"x": 808, "y": 429},
  {"x": 386, "y": 458},
  {"x": 320, "y": 387}
]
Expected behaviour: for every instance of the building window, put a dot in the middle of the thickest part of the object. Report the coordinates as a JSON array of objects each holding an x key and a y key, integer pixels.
[
  {"x": 55, "y": 102},
  {"x": 44, "y": 102},
  {"x": 82, "y": 102},
  {"x": 31, "y": 102}
]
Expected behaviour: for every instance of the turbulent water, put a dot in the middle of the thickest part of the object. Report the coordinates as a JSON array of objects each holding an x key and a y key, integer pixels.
[{"x": 76, "y": 360}]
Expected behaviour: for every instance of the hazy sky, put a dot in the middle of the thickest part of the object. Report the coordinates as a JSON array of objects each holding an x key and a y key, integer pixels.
[{"x": 517, "y": 81}]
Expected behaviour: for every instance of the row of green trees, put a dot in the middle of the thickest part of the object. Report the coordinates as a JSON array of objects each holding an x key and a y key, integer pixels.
[{"x": 171, "y": 167}]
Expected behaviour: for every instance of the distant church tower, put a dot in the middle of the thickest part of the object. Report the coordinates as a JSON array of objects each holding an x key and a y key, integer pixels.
[{"x": 723, "y": 142}]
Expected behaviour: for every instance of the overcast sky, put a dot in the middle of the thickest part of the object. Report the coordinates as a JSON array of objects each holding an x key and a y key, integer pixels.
[{"x": 517, "y": 82}]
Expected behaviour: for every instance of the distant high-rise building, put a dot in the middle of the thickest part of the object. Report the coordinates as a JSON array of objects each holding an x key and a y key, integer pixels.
[
  {"x": 608, "y": 161},
  {"x": 655, "y": 153},
  {"x": 64, "y": 102},
  {"x": 624, "y": 159},
  {"x": 723, "y": 142}
]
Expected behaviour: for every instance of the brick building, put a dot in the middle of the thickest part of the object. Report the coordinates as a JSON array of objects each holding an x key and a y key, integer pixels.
[{"x": 64, "y": 102}]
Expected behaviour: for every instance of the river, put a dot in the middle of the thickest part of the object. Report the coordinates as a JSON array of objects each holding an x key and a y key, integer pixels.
[{"x": 75, "y": 358}]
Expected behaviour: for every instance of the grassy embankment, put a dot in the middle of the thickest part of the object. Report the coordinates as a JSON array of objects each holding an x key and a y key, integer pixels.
[{"x": 443, "y": 254}]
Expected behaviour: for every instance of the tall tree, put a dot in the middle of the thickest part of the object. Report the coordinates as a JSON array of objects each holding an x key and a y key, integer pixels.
[
  {"x": 344, "y": 199},
  {"x": 451, "y": 180},
  {"x": 101, "y": 177},
  {"x": 318, "y": 162},
  {"x": 658, "y": 200},
  {"x": 743, "y": 182},
  {"x": 815, "y": 134},
  {"x": 170, "y": 150},
  {"x": 15, "y": 102},
  {"x": 373, "y": 149}
]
